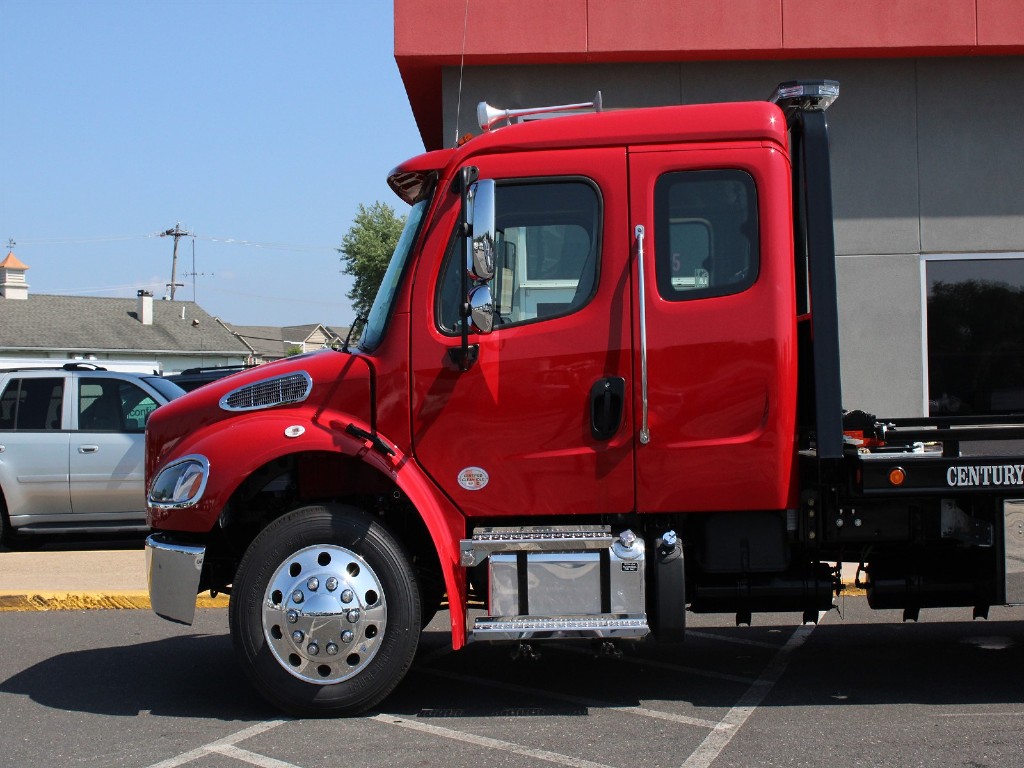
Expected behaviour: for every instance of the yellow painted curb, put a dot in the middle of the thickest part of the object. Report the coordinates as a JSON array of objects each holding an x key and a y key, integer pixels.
[{"x": 78, "y": 601}]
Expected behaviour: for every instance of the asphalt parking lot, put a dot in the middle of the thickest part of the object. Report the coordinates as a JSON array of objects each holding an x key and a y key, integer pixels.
[{"x": 124, "y": 688}]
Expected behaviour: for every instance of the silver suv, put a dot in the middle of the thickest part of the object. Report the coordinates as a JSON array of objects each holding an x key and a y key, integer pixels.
[{"x": 72, "y": 443}]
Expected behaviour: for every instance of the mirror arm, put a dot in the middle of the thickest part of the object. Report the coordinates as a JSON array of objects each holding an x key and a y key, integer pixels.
[{"x": 467, "y": 176}]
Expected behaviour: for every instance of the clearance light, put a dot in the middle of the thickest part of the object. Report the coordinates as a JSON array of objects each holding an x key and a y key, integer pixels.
[
  {"x": 897, "y": 476},
  {"x": 816, "y": 94}
]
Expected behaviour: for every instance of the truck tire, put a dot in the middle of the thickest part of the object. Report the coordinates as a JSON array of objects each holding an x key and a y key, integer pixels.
[{"x": 325, "y": 611}]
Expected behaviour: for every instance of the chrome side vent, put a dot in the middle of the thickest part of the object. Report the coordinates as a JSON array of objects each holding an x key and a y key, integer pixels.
[{"x": 280, "y": 390}]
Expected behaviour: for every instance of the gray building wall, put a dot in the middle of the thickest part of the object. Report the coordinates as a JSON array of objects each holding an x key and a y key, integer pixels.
[{"x": 927, "y": 158}]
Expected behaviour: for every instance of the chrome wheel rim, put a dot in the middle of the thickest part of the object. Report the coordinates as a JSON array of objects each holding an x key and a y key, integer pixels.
[{"x": 324, "y": 614}]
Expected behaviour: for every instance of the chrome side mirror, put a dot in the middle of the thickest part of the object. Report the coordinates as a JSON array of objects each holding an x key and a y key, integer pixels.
[
  {"x": 480, "y": 259},
  {"x": 481, "y": 309}
]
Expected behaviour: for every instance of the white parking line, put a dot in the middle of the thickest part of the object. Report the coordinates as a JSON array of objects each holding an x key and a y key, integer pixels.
[
  {"x": 717, "y": 740},
  {"x": 252, "y": 758},
  {"x": 582, "y": 701},
  {"x": 484, "y": 741},
  {"x": 220, "y": 744},
  {"x": 736, "y": 640},
  {"x": 979, "y": 714}
]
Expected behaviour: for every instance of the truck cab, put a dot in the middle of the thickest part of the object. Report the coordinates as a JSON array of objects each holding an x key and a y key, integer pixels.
[{"x": 598, "y": 388}]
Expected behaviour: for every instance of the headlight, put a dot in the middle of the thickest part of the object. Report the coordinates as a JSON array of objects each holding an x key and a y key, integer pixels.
[{"x": 180, "y": 484}]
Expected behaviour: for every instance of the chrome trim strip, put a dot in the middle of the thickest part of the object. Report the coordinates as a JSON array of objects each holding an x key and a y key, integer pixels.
[
  {"x": 487, "y": 541},
  {"x": 173, "y": 572}
]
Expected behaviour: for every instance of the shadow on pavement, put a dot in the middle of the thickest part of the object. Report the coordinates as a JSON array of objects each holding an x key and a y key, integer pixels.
[
  {"x": 932, "y": 664},
  {"x": 192, "y": 676}
]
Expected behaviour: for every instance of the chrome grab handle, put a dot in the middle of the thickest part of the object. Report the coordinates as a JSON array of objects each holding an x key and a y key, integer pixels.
[
  {"x": 645, "y": 432},
  {"x": 88, "y": 449}
]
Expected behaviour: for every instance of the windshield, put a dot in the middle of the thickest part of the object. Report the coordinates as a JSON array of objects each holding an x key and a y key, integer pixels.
[
  {"x": 373, "y": 332},
  {"x": 168, "y": 389}
]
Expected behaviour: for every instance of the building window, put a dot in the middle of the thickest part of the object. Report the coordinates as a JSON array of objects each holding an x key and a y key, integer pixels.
[{"x": 975, "y": 331}]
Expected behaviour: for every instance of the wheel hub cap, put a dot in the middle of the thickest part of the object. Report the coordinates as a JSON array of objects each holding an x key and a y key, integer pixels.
[{"x": 324, "y": 614}]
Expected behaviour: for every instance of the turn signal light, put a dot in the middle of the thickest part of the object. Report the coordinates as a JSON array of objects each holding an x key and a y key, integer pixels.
[{"x": 897, "y": 476}]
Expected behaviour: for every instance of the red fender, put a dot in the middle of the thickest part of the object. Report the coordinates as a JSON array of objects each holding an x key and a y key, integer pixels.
[{"x": 264, "y": 436}]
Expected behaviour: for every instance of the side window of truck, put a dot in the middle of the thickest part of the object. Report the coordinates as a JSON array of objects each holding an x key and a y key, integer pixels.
[
  {"x": 706, "y": 238},
  {"x": 546, "y": 256}
]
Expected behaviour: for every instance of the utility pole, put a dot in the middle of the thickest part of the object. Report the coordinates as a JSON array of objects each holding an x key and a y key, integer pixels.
[{"x": 177, "y": 233}]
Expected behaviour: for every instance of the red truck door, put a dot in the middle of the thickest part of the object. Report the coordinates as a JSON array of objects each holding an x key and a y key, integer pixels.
[
  {"x": 714, "y": 229},
  {"x": 542, "y": 421}
]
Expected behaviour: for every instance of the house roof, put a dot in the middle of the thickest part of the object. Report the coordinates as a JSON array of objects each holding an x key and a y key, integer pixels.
[
  {"x": 85, "y": 323},
  {"x": 271, "y": 341}
]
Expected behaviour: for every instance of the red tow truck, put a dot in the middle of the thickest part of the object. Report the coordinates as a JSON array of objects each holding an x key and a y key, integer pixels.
[{"x": 599, "y": 388}]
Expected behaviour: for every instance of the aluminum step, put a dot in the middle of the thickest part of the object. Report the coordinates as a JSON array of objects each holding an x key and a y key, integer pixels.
[{"x": 610, "y": 626}]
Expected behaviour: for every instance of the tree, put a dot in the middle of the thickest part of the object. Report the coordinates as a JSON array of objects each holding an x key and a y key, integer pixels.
[{"x": 366, "y": 250}]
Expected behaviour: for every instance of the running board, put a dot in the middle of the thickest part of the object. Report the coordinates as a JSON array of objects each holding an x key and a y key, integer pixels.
[{"x": 603, "y": 626}]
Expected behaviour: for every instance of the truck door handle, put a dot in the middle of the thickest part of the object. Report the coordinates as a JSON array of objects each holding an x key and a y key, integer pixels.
[
  {"x": 606, "y": 398},
  {"x": 88, "y": 449}
]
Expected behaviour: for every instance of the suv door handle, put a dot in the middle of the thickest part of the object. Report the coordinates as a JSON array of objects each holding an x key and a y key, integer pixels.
[
  {"x": 88, "y": 449},
  {"x": 606, "y": 398}
]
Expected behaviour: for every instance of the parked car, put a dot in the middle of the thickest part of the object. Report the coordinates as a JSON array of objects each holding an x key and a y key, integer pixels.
[
  {"x": 192, "y": 378},
  {"x": 72, "y": 443}
]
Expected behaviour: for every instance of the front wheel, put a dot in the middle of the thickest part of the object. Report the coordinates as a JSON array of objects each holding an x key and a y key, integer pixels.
[{"x": 325, "y": 611}]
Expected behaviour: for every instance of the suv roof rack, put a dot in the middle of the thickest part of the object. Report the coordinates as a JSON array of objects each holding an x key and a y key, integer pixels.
[{"x": 64, "y": 367}]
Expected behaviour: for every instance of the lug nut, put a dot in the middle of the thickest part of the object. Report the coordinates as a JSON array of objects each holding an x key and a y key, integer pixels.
[
  {"x": 332, "y": 649},
  {"x": 347, "y": 596},
  {"x": 297, "y": 596},
  {"x": 313, "y": 649},
  {"x": 353, "y": 616},
  {"x": 347, "y": 636},
  {"x": 298, "y": 636},
  {"x": 292, "y": 615},
  {"x": 313, "y": 584},
  {"x": 331, "y": 584}
]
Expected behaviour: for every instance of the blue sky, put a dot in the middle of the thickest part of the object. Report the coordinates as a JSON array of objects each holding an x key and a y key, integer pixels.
[{"x": 260, "y": 126}]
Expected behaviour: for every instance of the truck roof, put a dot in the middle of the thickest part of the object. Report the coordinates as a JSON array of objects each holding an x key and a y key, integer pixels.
[{"x": 695, "y": 123}]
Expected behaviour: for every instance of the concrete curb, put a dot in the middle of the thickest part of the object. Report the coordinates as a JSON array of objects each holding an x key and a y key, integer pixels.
[
  {"x": 116, "y": 580},
  {"x": 86, "y": 601},
  {"x": 92, "y": 601}
]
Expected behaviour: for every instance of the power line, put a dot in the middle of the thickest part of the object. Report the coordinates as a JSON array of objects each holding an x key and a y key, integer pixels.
[
  {"x": 79, "y": 240},
  {"x": 298, "y": 248},
  {"x": 273, "y": 246}
]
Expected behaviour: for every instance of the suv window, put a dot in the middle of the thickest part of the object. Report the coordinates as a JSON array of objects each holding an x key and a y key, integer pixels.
[
  {"x": 113, "y": 405},
  {"x": 706, "y": 240},
  {"x": 32, "y": 404},
  {"x": 546, "y": 253}
]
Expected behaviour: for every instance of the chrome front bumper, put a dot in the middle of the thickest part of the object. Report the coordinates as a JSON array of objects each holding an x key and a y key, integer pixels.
[{"x": 173, "y": 571}]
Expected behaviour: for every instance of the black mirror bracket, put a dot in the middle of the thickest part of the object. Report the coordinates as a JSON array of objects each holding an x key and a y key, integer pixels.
[{"x": 467, "y": 176}]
